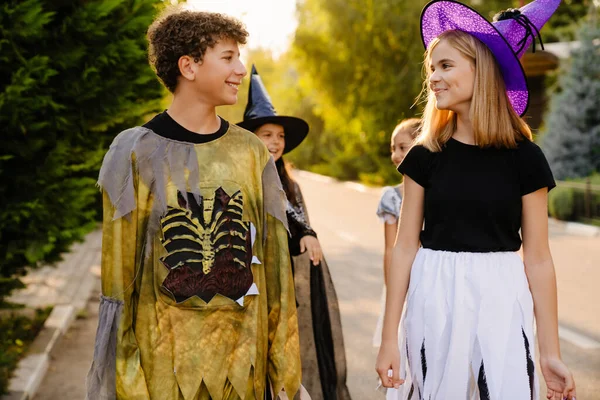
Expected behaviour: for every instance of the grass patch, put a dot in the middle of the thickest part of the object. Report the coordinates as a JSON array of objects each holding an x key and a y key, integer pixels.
[
  {"x": 18, "y": 331},
  {"x": 82, "y": 314}
]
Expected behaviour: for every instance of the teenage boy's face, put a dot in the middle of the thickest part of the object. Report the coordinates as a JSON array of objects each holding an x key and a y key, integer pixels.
[{"x": 220, "y": 73}]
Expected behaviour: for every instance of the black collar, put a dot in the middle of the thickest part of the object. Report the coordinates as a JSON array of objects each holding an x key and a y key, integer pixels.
[{"x": 164, "y": 125}]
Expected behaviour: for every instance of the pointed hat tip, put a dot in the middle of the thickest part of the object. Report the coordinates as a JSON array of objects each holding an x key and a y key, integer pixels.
[{"x": 254, "y": 71}]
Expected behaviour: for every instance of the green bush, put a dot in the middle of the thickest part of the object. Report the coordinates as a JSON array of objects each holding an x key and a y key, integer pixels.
[
  {"x": 561, "y": 202},
  {"x": 72, "y": 75},
  {"x": 580, "y": 208},
  {"x": 17, "y": 334}
]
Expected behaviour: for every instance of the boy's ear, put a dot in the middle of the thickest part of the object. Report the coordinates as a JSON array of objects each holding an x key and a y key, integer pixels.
[{"x": 187, "y": 68}]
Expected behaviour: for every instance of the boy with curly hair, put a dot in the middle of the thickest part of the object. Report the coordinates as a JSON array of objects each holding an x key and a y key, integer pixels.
[{"x": 197, "y": 291}]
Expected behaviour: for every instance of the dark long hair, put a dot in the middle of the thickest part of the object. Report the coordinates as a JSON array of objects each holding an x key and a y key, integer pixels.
[{"x": 289, "y": 185}]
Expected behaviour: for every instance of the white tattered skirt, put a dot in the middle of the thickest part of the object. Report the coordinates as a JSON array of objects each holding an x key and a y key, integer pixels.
[{"x": 467, "y": 331}]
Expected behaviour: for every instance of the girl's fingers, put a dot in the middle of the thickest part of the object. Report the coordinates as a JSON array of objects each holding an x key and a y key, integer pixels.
[
  {"x": 318, "y": 256},
  {"x": 396, "y": 381},
  {"x": 569, "y": 390},
  {"x": 569, "y": 385},
  {"x": 570, "y": 395},
  {"x": 314, "y": 252},
  {"x": 386, "y": 380},
  {"x": 560, "y": 396}
]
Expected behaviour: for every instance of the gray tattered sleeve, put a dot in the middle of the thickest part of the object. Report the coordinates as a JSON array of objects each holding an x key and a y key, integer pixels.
[
  {"x": 275, "y": 201},
  {"x": 101, "y": 379}
]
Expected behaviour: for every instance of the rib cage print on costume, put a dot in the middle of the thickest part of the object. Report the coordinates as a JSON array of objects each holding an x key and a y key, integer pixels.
[{"x": 209, "y": 247}]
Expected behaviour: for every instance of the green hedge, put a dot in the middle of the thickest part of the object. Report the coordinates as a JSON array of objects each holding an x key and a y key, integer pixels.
[
  {"x": 17, "y": 334},
  {"x": 72, "y": 75},
  {"x": 561, "y": 202},
  {"x": 569, "y": 204}
]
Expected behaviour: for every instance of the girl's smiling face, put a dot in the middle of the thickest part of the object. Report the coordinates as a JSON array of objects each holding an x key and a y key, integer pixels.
[
  {"x": 400, "y": 144},
  {"x": 451, "y": 79},
  {"x": 273, "y": 136}
]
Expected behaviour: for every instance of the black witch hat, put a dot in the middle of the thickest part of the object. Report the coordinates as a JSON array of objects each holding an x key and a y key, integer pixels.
[{"x": 260, "y": 111}]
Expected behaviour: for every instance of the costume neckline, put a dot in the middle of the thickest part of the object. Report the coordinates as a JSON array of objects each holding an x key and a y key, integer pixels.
[{"x": 466, "y": 145}]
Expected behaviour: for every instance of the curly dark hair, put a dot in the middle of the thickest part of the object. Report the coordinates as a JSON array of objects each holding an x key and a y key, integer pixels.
[{"x": 187, "y": 33}]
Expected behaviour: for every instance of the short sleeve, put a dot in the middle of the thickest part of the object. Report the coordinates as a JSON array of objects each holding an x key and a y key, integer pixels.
[
  {"x": 417, "y": 165},
  {"x": 535, "y": 172},
  {"x": 388, "y": 209}
]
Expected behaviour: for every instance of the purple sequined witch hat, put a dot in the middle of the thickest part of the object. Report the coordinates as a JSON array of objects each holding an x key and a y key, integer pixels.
[{"x": 508, "y": 37}]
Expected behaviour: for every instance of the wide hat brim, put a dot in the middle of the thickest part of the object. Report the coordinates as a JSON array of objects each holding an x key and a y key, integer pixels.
[
  {"x": 440, "y": 16},
  {"x": 295, "y": 129}
]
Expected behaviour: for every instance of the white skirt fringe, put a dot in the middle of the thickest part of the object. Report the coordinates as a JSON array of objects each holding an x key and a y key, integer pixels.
[{"x": 467, "y": 331}]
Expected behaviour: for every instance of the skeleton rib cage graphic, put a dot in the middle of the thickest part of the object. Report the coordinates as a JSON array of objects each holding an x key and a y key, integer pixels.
[{"x": 209, "y": 247}]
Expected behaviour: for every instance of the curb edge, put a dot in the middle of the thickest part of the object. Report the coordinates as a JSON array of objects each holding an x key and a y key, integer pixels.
[{"x": 32, "y": 369}]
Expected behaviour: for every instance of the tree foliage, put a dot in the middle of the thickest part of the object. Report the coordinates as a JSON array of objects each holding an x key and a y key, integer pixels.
[
  {"x": 567, "y": 19},
  {"x": 72, "y": 75},
  {"x": 360, "y": 63},
  {"x": 572, "y": 135}
]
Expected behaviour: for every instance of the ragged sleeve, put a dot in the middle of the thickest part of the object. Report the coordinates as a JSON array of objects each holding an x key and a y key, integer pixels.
[
  {"x": 284, "y": 369},
  {"x": 116, "y": 372}
]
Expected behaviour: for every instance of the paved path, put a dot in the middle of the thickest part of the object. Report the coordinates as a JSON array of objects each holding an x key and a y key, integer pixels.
[
  {"x": 65, "y": 286},
  {"x": 62, "y": 284},
  {"x": 72, "y": 357},
  {"x": 352, "y": 239}
]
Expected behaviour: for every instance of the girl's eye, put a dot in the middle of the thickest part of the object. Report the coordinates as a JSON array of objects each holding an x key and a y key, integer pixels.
[
  {"x": 228, "y": 58},
  {"x": 445, "y": 66}
]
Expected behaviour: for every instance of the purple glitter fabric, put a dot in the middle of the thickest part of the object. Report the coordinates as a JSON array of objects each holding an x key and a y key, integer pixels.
[{"x": 501, "y": 37}]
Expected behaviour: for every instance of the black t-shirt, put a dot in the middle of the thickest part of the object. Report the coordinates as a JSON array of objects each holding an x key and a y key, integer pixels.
[
  {"x": 162, "y": 124},
  {"x": 473, "y": 195}
]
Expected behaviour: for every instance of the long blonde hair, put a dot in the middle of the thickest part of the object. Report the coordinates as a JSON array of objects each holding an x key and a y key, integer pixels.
[{"x": 495, "y": 123}]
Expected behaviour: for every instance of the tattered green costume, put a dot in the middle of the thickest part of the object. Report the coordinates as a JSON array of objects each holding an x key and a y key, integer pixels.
[{"x": 197, "y": 291}]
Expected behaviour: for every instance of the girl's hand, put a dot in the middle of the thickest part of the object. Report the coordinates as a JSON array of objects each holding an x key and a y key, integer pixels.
[
  {"x": 311, "y": 244},
  {"x": 389, "y": 359},
  {"x": 559, "y": 380}
]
